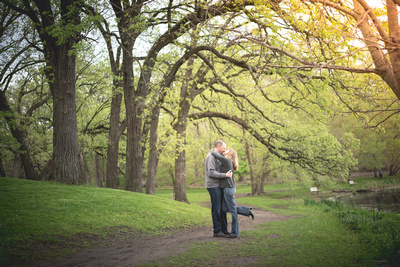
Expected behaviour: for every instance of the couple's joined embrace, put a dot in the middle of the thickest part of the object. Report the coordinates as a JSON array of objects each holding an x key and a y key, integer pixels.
[{"x": 220, "y": 183}]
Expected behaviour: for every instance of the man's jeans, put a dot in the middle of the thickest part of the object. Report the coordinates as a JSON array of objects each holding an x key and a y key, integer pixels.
[
  {"x": 218, "y": 216},
  {"x": 230, "y": 205}
]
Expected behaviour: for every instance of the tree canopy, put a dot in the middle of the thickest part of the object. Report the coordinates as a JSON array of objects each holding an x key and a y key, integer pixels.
[{"x": 152, "y": 84}]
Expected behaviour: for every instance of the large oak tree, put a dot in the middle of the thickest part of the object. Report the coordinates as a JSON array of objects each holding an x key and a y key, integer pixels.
[{"x": 59, "y": 27}]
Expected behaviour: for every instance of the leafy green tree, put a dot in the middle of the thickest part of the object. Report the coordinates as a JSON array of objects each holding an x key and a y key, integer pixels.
[
  {"x": 28, "y": 100},
  {"x": 134, "y": 20},
  {"x": 371, "y": 154},
  {"x": 378, "y": 30},
  {"x": 58, "y": 27},
  {"x": 93, "y": 97},
  {"x": 15, "y": 57},
  {"x": 117, "y": 126}
]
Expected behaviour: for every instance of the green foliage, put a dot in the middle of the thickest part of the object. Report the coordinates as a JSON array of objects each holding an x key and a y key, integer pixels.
[
  {"x": 7, "y": 141},
  {"x": 379, "y": 230},
  {"x": 289, "y": 106},
  {"x": 378, "y": 146},
  {"x": 71, "y": 22},
  {"x": 32, "y": 115}
]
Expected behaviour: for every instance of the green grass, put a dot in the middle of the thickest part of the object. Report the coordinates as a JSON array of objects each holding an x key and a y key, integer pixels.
[
  {"x": 319, "y": 239},
  {"x": 34, "y": 211},
  {"x": 36, "y": 215},
  {"x": 380, "y": 230}
]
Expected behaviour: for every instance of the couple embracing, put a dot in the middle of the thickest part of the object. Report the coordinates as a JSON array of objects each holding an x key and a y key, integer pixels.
[{"x": 220, "y": 183}]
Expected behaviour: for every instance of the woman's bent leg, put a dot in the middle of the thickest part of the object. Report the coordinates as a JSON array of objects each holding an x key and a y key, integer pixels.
[{"x": 245, "y": 211}]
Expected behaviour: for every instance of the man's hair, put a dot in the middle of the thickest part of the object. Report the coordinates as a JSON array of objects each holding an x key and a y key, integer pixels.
[{"x": 219, "y": 143}]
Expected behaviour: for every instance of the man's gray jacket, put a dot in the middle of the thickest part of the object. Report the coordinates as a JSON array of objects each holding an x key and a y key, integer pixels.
[{"x": 213, "y": 176}]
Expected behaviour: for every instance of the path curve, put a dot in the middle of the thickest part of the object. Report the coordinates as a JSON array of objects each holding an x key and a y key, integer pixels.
[{"x": 144, "y": 249}]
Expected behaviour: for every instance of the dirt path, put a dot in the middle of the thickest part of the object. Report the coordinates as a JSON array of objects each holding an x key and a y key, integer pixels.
[{"x": 144, "y": 249}]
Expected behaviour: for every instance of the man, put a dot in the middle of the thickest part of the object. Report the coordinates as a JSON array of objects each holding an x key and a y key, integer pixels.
[{"x": 213, "y": 185}]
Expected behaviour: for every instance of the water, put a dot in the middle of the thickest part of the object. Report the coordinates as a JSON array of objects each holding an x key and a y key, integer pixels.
[{"x": 382, "y": 200}]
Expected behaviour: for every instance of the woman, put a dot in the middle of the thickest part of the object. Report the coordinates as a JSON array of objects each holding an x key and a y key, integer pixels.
[{"x": 230, "y": 162}]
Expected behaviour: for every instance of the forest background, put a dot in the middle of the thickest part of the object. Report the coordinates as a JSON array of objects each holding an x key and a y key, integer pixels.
[{"x": 133, "y": 94}]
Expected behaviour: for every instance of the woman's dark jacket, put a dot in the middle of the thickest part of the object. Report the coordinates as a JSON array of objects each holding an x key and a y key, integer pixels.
[{"x": 227, "y": 165}]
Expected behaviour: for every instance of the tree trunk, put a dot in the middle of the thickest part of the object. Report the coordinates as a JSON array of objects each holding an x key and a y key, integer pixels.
[
  {"x": 180, "y": 177},
  {"x": 248, "y": 155},
  {"x": 172, "y": 173},
  {"x": 113, "y": 143},
  {"x": 388, "y": 71},
  {"x": 16, "y": 170},
  {"x": 134, "y": 106},
  {"x": 264, "y": 177},
  {"x": 93, "y": 163},
  {"x": 66, "y": 150},
  {"x": 187, "y": 95},
  {"x": 180, "y": 161},
  {"x": 134, "y": 156},
  {"x": 393, "y": 169},
  {"x": 29, "y": 170},
  {"x": 2, "y": 170},
  {"x": 88, "y": 176},
  {"x": 196, "y": 172},
  {"x": 20, "y": 136},
  {"x": 153, "y": 153},
  {"x": 127, "y": 15},
  {"x": 83, "y": 167},
  {"x": 375, "y": 172},
  {"x": 134, "y": 109},
  {"x": 101, "y": 171},
  {"x": 60, "y": 72},
  {"x": 241, "y": 177},
  {"x": 47, "y": 172},
  {"x": 116, "y": 129},
  {"x": 393, "y": 43},
  {"x": 99, "y": 174},
  {"x": 264, "y": 173}
]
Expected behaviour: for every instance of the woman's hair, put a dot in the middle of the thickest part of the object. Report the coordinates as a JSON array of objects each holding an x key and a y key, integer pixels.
[{"x": 232, "y": 155}]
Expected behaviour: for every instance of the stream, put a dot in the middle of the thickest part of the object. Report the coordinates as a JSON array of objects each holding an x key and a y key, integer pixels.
[{"x": 382, "y": 200}]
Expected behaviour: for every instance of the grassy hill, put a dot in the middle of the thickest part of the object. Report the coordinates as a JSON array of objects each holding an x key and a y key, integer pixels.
[{"x": 34, "y": 213}]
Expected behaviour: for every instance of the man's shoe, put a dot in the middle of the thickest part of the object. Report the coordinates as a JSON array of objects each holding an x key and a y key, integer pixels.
[
  {"x": 251, "y": 213},
  {"x": 233, "y": 236},
  {"x": 219, "y": 235},
  {"x": 226, "y": 233}
]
